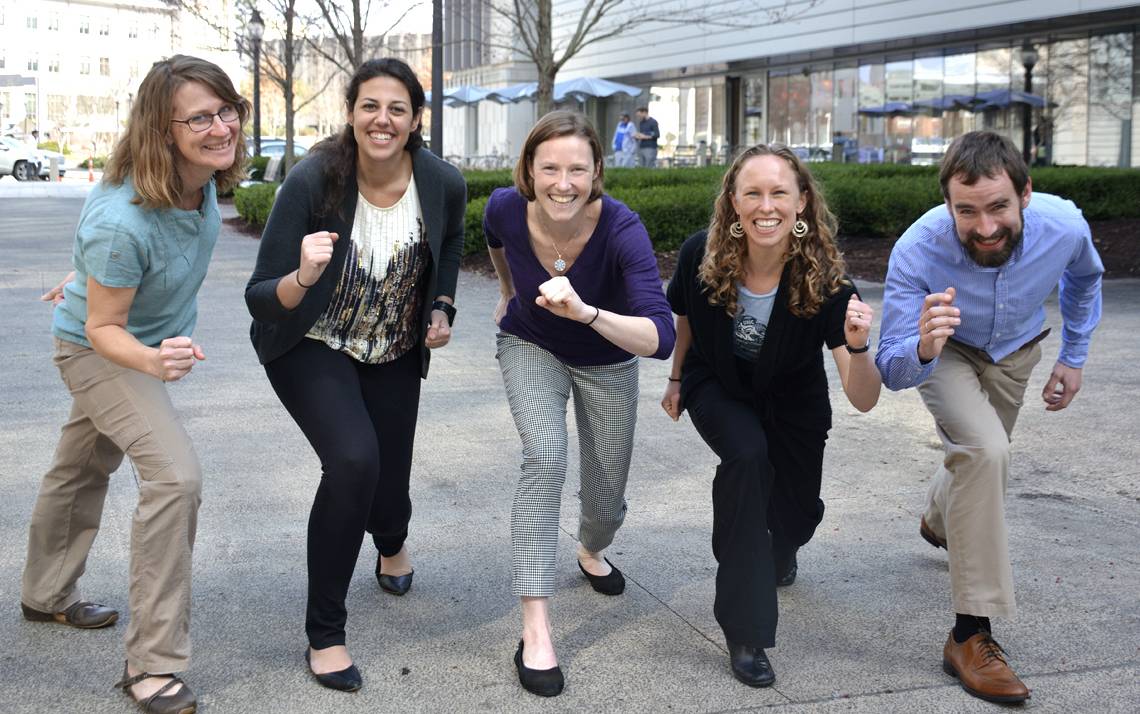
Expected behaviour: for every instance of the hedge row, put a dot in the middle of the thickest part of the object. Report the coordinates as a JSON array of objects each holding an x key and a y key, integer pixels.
[
  {"x": 870, "y": 200},
  {"x": 254, "y": 202}
]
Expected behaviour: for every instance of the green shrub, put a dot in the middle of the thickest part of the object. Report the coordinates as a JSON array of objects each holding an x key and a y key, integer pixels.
[
  {"x": 258, "y": 164},
  {"x": 253, "y": 203},
  {"x": 473, "y": 241},
  {"x": 1100, "y": 193},
  {"x": 49, "y": 146}
]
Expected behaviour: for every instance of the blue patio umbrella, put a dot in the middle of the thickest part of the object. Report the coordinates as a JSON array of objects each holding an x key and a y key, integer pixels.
[
  {"x": 948, "y": 102},
  {"x": 888, "y": 109},
  {"x": 461, "y": 96},
  {"x": 514, "y": 93},
  {"x": 583, "y": 88},
  {"x": 1001, "y": 98}
]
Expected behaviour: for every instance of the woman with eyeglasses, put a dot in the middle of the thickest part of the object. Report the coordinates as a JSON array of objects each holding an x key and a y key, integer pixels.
[
  {"x": 354, "y": 285},
  {"x": 122, "y": 330}
]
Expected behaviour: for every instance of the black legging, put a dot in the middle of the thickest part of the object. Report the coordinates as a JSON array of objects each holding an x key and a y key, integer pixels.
[
  {"x": 768, "y": 480},
  {"x": 361, "y": 421}
]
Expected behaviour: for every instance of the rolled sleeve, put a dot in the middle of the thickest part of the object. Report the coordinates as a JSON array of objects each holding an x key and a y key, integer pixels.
[{"x": 113, "y": 257}]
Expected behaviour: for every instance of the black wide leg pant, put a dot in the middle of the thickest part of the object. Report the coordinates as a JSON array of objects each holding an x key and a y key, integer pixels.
[
  {"x": 361, "y": 421},
  {"x": 765, "y": 498}
]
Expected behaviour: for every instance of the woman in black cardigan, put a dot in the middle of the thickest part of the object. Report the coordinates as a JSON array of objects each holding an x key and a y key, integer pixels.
[
  {"x": 757, "y": 296},
  {"x": 355, "y": 282}
]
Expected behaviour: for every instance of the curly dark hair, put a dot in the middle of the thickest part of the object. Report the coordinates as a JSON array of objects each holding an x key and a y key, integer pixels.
[
  {"x": 338, "y": 152},
  {"x": 817, "y": 266}
]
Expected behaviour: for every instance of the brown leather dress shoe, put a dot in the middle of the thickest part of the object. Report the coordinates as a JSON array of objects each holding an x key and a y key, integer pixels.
[
  {"x": 980, "y": 666},
  {"x": 929, "y": 536},
  {"x": 84, "y": 615}
]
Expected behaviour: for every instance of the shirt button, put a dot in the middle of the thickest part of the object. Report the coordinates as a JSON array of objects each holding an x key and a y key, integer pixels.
[{"x": 1001, "y": 305}]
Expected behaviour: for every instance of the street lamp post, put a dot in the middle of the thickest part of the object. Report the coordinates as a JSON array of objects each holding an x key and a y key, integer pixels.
[
  {"x": 256, "y": 30},
  {"x": 1028, "y": 59}
]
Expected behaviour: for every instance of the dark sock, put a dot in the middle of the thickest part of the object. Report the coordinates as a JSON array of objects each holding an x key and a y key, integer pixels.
[{"x": 966, "y": 626}]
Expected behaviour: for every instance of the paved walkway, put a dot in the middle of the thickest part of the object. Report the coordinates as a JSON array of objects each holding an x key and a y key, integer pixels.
[{"x": 861, "y": 630}]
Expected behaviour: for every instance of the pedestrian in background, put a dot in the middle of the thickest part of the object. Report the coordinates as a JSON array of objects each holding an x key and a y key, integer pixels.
[
  {"x": 580, "y": 300},
  {"x": 647, "y": 135},
  {"x": 757, "y": 296},
  {"x": 122, "y": 331},
  {"x": 963, "y": 312},
  {"x": 624, "y": 143},
  {"x": 354, "y": 285}
]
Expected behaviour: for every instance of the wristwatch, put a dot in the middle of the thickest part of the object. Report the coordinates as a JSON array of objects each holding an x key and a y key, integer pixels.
[
  {"x": 858, "y": 350},
  {"x": 447, "y": 309}
]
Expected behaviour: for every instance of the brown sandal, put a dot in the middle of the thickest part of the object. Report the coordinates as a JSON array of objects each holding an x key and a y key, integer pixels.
[{"x": 181, "y": 702}]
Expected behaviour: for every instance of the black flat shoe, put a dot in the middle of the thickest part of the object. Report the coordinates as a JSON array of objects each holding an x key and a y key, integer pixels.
[
  {"x": 786, "y": 568},
  {"x": 346, "y": 680},
  {"x": 394, "y": 584},
  {"x": 612, "y": 583},
  {"x": 750, "y": 665},
  {"x": 543, "y": 682}
]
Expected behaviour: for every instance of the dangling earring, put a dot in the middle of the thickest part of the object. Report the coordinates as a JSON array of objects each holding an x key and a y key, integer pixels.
[
  {"x": 799, "y": 228},
  {"x": 736, "y": 230}
]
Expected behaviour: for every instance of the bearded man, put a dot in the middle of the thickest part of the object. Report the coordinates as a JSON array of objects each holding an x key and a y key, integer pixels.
[{"x": 963, "y": 316}]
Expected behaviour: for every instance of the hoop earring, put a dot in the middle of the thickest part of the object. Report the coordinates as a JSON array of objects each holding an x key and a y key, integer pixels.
[
  {"x": 799, "y": 228},
  {"x": 736, "y": 230}
]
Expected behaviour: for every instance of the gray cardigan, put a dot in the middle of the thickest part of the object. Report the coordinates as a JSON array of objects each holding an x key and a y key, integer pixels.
[{"x": 296, "y": 213}]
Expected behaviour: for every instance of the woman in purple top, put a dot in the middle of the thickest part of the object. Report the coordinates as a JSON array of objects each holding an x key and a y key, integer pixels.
[{"x": 581, "y": 299}]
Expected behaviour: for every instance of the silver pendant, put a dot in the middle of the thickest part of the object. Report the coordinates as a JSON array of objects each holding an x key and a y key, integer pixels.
[{"x": 559, "y": 265}]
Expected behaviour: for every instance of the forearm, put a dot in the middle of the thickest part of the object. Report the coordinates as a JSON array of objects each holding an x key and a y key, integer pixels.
[
  {"x": 681, "y": 346},
  {"x": 633, "y": 334},
  {"x": 502, "y": 272},
  {"x": 290, "y": 291},
  {"x": 114, "y": 343},
  {"x": 862, "y": 382}
]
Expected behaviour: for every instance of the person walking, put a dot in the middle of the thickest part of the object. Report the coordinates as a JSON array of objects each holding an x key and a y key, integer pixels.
[
  {"x": 581, "y": 299},
  {"x": 122, "y": 332},
  {"x": 354, "y": 286},
  {"x": 757, "y": 296},
  {"x": 624, "y": 143},
  {"x": 963, "y": 319},
  {"x": 647, "y": 135}
]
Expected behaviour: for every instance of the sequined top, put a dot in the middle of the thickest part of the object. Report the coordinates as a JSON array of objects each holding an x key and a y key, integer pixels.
[{"x": 374, "y": 311}]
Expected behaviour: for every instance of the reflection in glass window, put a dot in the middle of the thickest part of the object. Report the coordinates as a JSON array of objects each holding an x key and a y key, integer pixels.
[
  {"x": 900, "y": 125},
  {"x": 820, "y": 124},
  {"x": 1110, "y": 100},
  {"x": 992, "y": 72},
  {"x": 845, "y": 142},
  {"x": 927, "y": 144},
  {"x": 778, "y": 109},
  {"x": 1038, "y": 87},
  {"x": 872, "y": 94},
  {"x": 958, "y": 83},
  {"x": 754, "y": 100},
  {"x": 799, "y": 106},
  {"x": 1067, "y": 131}
]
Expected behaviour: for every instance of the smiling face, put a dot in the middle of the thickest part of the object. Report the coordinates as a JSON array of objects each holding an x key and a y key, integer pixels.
[
  {"x": 988, "y": 217},
  {"x": 563, "y": 170},
  {"x": 767, "y": 199},
  {"x": 382, "y": 119},
  {"x": 201, "y": 153}
]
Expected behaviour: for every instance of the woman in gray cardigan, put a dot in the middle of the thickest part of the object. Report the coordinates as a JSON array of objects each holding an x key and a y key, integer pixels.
[{"x": 354, "y": 284}]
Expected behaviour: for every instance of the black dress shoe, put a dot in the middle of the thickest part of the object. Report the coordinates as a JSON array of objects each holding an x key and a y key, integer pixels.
[
  {"x": 786, "y": 568},
  {"x": 750, "y": 665},
  {"x": 394, "y": 584},
  {"x": 543, "y": 682},
  {"x": 84, "y": 615},
  {"x": 346, "y": 680},
  {"x": 612, "y": 583}
]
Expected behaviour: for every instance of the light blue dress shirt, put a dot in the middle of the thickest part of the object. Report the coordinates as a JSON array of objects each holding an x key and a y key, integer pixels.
[{"x": 1002, "y": 308}]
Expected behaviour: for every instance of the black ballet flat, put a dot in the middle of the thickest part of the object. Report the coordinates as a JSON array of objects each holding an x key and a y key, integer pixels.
[
  {"x": 543, "y": 682},
  {"x": 394, "y": 584},
  {"x": 750, "y": 665},
  {"x": 346, "y": 680},
  {"x": 612, "y": 583}
]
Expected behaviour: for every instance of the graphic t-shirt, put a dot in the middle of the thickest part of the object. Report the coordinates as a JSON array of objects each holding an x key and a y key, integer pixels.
[{"x": 751, "y": 322}]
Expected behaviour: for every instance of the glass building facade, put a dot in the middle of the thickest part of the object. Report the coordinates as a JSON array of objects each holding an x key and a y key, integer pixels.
[{"x": 1080, "y": 95}]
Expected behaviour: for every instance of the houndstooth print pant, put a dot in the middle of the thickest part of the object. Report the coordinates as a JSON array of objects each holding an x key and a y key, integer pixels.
[{"x": 538, "y": 386}]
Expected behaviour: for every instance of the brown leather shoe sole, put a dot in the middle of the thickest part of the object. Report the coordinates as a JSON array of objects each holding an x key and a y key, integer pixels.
[
  {"x": 61, "y": 617},
  {"x": 997, "y": 699},
  {"x": 929, "y": 536}
]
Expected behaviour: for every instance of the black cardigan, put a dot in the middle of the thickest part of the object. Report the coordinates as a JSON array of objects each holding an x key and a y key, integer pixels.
[
  {"x": 788, "y": 382},
  {"x": 297, "y": 212}
]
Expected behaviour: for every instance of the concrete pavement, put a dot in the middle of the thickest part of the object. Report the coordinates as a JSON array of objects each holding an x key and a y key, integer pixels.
[{"x": 861, "y": 630}]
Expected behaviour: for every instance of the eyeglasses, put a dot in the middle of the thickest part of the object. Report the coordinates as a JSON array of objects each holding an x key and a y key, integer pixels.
[{"x": 203, "y": 122}]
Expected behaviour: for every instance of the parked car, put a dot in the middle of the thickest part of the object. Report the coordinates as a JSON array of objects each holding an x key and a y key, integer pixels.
[
  {"x": 18, "y": 159},
  {"x": 276, "y": 147},
  {"x": 45, "y": 163}
]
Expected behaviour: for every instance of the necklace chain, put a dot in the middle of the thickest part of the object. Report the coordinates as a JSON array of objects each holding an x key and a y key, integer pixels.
[{"x": 560, "y": 263}]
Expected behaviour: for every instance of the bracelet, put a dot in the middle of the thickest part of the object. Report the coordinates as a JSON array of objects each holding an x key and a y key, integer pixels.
[
  {"x": 674, "y": 379},
  {"x": 297, "y": 277},
  {"x": 447, "y": 309},
  {"x": 597, "y": 311},
  {"x": 858, "y": 350}
]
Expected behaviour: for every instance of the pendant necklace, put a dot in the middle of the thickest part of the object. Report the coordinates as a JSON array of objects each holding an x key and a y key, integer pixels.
[{"x": 560, "y": 263}]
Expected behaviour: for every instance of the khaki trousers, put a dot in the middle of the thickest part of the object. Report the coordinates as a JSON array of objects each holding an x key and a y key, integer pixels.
[
  {"x": 975, "y": 404},
  {"x": 115, "y": 411}
]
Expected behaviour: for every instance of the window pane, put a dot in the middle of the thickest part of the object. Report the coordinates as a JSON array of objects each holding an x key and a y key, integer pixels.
[
  {"x": 754, "y": 99},
  {"x": 993, "y": 67},
  {"x": 799, "y": 107},
  {"x": 1069, "y": 68},
  {"x": 927, "y": 144},
  {"x": 822, "y": 105},
  {"x": 872, "y": 93},
  {"x": 778, "y": 110},
  {"x": 958, "y": 83},
  {"x": 1110, "y": 100}
]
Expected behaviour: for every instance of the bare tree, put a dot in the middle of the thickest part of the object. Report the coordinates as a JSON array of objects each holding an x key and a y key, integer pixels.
[
  {"x": 347, "y": 28},
  {"x": 531, "y": 25}
]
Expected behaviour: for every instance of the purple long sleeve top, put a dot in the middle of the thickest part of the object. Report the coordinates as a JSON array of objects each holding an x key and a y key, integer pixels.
[{"x": 617, "y": 271}]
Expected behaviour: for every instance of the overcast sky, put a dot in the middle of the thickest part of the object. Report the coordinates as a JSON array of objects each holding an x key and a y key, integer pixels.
[{"x": 418, "y": 20}]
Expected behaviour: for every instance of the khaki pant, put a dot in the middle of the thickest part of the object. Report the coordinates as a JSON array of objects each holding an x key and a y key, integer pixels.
[
  {"x": 975, "y": 404},
  {"x": 116, "y": 411}
]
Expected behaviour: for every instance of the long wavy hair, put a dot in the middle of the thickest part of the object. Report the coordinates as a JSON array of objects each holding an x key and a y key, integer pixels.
[
  {"x": 145, "y": 155},
  {"x": 339, "y": 151},
  {"x": 816, "y": 265}
]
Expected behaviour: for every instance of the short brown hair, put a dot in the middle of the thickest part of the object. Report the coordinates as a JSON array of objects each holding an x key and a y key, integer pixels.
[
  {"x": 142, "y": 153},
  {"x": 982, "y": 153},
  {"x": 554, "y": 125}
]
